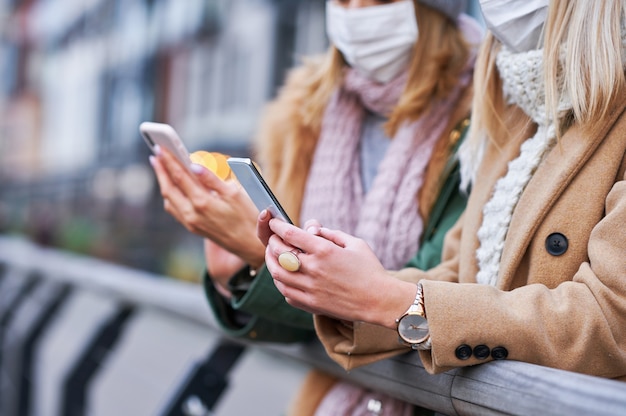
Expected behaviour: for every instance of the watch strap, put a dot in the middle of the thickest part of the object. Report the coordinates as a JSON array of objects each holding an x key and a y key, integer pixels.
[{"x": 418, "y": 303}]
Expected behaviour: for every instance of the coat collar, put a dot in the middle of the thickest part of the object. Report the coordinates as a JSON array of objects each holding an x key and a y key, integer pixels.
[{"x": 561, "y": 165}]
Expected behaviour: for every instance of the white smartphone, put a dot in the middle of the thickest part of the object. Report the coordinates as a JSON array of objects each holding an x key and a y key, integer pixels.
[
  {"x": 166, "y": 137},
  {"x": 250, "y": 178}
]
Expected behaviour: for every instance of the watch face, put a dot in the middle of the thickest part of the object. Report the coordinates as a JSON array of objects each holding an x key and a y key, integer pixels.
[{"x": 413, "y": 328}]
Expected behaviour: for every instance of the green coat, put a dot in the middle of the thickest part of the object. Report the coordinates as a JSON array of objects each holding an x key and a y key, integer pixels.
[{"x": 259, "y": 312}]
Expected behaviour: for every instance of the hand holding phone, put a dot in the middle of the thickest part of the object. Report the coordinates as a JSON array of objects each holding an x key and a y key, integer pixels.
[
  {"x": 250, "y": 178},
  {"x": 166, "y": 137}
]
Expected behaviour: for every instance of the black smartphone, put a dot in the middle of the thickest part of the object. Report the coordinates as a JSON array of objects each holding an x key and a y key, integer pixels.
[{"x": 250, "y": 178}]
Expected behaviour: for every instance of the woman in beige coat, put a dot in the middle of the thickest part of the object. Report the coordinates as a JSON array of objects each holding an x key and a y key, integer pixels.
[{"x": 543, "y": 234}]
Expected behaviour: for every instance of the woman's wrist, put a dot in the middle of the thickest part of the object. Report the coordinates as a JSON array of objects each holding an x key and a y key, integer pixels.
[
  {"x": 400, "y": 297},
  {"x": 222, "y": 265},
  {"x": 254, "y": 255}
]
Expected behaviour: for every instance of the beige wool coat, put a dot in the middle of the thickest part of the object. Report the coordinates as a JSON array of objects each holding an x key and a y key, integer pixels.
[{"x": 565, "y": 311}]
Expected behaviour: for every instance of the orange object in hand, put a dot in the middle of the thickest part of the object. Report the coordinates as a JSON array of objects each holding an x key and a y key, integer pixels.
[{"x": 214, "y": 161}]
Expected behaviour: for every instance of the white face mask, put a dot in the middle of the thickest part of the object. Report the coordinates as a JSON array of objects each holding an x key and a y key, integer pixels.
[
  {"x": 376, "y": 40},
  {"x": 518, "y": 24}
]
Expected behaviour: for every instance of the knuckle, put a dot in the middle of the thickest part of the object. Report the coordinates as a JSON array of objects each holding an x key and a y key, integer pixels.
[
  {"x": 325, "y": 250},
  {"x": 201, "y": 204},
  {"x": 289, "y": 234},
  {"x": 190, "y": 217}
]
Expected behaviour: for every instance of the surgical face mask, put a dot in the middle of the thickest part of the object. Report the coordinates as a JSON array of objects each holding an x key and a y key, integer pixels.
[
  {"x": 518, "y": 24},
  {"x": 376, "y": 40}
]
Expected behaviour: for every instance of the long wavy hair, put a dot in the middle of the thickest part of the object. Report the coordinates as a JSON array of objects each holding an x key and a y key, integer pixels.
[
  {"x": 439, "y": 57},
  {"x": 582, "y": 46}
]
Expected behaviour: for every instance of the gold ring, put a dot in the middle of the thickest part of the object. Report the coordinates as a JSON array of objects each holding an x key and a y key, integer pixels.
[{"x": 289, "y": 261}]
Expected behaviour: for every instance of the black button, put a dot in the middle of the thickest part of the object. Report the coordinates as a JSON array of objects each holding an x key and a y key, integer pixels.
[
  {"x": 499, "y": 353},
  {"x": 481, "y": 352},
  {"x": 556, "y": 244},
  {"x": 463, "y": 352}
]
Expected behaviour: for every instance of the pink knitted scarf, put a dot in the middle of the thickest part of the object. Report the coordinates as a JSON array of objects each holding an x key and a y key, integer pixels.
[
  {"x": 387, "y": 217},
  {"x": 353, "y": 400}
]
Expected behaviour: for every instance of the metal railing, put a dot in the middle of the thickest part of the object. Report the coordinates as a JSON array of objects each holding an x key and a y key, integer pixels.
[{"x": 504, "y": 387}]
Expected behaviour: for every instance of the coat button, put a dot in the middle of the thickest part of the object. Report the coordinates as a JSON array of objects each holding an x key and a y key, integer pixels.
[
  {"x": 499, "y": 353},
  {"x": 481, "y": 351},
  {"x": 556, "y": 244},
  {"x": 463, "y": 352}
]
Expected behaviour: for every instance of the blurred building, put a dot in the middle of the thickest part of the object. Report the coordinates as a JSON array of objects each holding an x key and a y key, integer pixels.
[{"x": 77, "y": 77}]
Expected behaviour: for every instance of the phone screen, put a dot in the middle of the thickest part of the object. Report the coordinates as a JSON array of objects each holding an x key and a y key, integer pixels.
[{"x": 256, "y": 187}]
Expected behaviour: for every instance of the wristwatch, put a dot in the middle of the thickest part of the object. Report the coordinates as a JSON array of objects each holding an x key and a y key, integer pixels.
[{"x": 413, "y": 326}]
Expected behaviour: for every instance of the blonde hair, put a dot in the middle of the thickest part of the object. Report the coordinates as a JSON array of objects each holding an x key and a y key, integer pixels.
[
  {"x": 592, "y": 67},
  {"x": 588, "y": 61},
  {"x": 439, "y": 57}
]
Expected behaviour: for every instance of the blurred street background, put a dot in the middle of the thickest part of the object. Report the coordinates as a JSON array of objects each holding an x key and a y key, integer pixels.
[
  {"x": 77, "y": 77},
  {"x": 100, "y": 308}
]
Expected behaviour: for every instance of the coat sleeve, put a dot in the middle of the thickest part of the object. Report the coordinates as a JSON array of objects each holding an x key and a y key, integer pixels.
[
  {"x": 264, "y": 300},
  {"x": 575, "y": 326},
  {"x": 565, "y": 327},
  {"x": 261, "y": 314}
]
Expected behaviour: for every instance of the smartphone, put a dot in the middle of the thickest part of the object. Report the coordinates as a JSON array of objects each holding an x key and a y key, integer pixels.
[
  {"x": 250, "y": 178},
  {"x": 166, "y": 137}
]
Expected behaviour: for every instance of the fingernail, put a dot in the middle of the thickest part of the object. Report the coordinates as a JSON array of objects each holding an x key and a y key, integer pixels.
[
  {"x": 157, "y": 150},
  {"x": 196, "y": 168},
  {"x": 263, "y": 215},
  {"x": 152, "y": 160}
]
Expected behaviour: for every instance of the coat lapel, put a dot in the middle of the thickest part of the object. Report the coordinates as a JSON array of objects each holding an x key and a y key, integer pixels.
[{"x": 545, "y": 187}]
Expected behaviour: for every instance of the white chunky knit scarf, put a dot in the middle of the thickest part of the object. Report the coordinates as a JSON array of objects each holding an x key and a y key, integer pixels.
[{"x": 522, "y": 83}]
